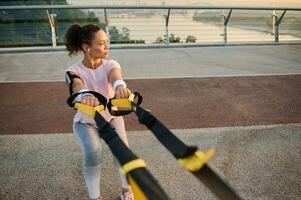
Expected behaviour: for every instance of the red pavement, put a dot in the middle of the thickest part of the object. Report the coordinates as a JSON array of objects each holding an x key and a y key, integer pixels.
[{"x": 179, "y": 103}]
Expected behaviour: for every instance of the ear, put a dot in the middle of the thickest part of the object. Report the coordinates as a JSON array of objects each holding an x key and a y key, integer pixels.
[{"x": 85, "y": 47}]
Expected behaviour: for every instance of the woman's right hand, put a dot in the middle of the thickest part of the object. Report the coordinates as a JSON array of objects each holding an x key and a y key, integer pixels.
[{"x": 90, "y": 101}]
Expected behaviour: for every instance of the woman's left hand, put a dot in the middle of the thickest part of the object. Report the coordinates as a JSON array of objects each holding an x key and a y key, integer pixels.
[{"x": 122, "y": 92}]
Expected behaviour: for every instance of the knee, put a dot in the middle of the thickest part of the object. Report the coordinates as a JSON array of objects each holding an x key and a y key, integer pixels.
[{"x": 93, "y": 158}]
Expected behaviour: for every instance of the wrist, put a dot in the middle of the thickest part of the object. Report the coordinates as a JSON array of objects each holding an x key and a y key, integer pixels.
[
  {"x": 82, "y": 95},
  {"x": 119, "y": 83}
]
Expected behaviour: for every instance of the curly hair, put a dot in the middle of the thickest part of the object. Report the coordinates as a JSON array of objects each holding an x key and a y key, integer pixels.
[{"x": 76, "y": 35}]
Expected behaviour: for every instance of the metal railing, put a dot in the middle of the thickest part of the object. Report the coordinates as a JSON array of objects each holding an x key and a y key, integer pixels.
[{"x": 191, "y": 23}]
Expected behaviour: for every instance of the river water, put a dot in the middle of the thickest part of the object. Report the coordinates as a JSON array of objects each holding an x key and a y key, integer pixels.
[{"x": 149, "y": 27}]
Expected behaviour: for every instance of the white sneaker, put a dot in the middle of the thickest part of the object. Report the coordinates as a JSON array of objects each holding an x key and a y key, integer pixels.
[{"x": 127, "y": 196}]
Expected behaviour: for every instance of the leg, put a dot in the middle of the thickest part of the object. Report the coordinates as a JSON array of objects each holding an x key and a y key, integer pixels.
[
  {"x": 87, "y": 137},
  {"x": 118, "y": 124},
  {"x": 126, "y": 192}
]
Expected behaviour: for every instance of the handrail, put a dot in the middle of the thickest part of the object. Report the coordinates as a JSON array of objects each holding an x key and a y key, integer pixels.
[
  {"x": 226, "y": 18},
  {"x": 34, "y": 7}
]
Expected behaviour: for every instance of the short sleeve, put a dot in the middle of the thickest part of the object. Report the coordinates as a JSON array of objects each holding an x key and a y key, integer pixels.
[
  {"x": 73, "y": 69},
  {"x": 111, "y": 65}
]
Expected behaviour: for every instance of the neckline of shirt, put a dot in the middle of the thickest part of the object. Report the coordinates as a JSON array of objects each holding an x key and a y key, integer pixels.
[{"x": 84, "y": 66}]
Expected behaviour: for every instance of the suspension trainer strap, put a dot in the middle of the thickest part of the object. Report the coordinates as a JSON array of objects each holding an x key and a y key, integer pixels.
[
  {"x": 189, "y": 157},
  {"x": 144, "y": 186}
]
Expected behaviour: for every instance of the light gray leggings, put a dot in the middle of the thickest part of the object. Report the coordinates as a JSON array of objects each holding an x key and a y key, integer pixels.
[{"x": 90, "y": 142}]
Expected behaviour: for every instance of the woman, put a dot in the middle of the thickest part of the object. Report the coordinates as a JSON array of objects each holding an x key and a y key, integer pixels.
[{"x": 95, "y": 73}]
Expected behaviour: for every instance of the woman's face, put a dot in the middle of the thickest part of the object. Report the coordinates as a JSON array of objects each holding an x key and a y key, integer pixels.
[{"x": 99, "y": 47}]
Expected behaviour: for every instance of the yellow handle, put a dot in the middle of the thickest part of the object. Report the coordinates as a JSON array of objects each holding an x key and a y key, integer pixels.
[
  {"x": 134, "y": 164},
  {"x": 138, "y": 193},
  {"x": 88, "y": 110},
  {"x": 124, "y": 103},
  {"x": 196, "y": 161}
]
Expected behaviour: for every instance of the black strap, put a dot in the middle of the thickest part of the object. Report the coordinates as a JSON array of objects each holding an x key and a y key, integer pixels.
[
  {"x": 71, "y": 79},
  {"x": 163, "y": 134},
  {"x": 180, "y": 150},
  {"x": 109, "y": 135},
  {"x": 216, "y": 184},
  {"x": 142, "y": 176}
]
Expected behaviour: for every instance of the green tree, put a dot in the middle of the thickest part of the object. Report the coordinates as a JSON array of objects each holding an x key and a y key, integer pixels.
[
  {"x": 126, "y": 32},
  {"x": 159, "y": 40},
  {"x": 115, "y": 36},
  {"x": 174, "y": 39},
  {"x": 31, "y": 27},
  {"x": 191, "y": 39}
]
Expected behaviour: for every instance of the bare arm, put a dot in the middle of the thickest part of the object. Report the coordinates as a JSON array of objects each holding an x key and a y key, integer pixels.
[
  {"x": 89, "y": 100},
  {"x": 121, "y": 92},
  {"x": 77, "y": 85},
  {"x": 115, "y": 74}
]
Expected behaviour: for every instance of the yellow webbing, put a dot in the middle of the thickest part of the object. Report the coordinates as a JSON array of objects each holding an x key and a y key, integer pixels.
[
  {"x": 196, "y": 161},
  {"x": 138, "y": 193},
  {"x": 125, "y": 103},
  {"x": 134, "y": 164},
  {"x": 88, "y": 110}
]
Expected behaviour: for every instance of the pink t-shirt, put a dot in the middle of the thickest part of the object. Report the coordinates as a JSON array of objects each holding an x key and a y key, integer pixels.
[{"x": 95, "y": 80}]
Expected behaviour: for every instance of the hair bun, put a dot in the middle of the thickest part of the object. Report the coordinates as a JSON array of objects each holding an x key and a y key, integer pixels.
[
  {"x": 72, "y": 38},
  {"x": 77, "y": 35}
]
